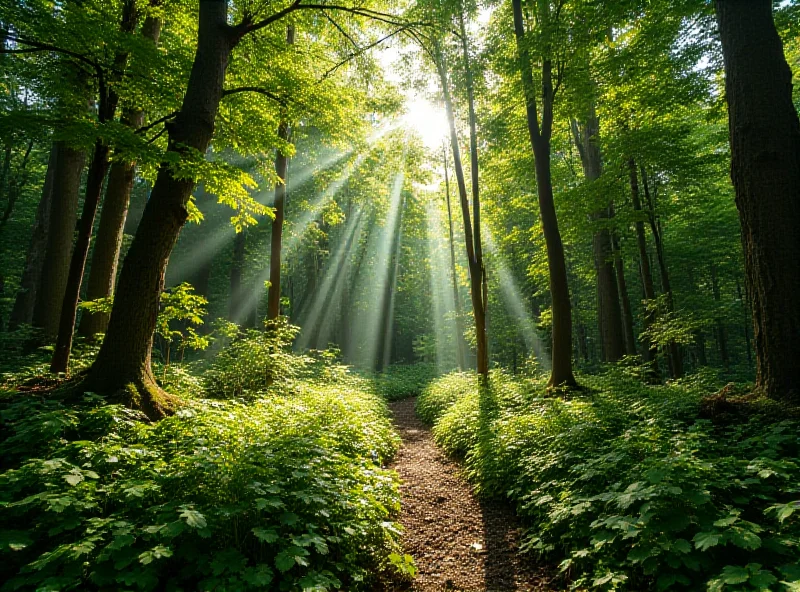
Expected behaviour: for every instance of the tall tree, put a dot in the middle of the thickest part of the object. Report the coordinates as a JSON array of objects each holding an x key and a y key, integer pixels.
[
  {"x": 459, "y": 323},
  {"x": 540, "y": 134},
  {"x": 765, "y": 169},
  {"x": 276, "y": 240},
  {"x": 113, "y": 216},
  {"x": 123, "y": 365}
]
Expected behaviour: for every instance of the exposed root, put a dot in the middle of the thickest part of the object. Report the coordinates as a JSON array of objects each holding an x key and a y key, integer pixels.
[{"x": 732, "y": 405}]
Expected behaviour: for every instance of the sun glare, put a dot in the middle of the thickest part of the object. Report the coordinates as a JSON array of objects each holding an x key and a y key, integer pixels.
[{"x": 426, "y": 120}]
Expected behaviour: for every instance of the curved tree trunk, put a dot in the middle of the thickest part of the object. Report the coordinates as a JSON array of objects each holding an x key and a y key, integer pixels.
[
  {"x": 123, "y": 365},
  {"x": 765, "y": 168},
  {"x": 561, "y": 374},
  {"x": 459, "y": 323},
  {"x": 624, "y": 299}
]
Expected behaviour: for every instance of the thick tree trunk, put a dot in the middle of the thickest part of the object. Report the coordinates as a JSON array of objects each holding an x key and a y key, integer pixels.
[
  {"x": 765, "y": 168},
  {"x": 561, "y": 374},
  {"x": 63, "y": 213},
  {"x": 276, "y": 239},
  {"x": 624, "y": 299},
  {"x": 609, "y": 315},
  {"x": 123, "y": 367},
  {"x": 644, "y": 265},
  {"x": 22, "y": 311},
  {"x": 113, "y": 217},
  {"x": 745, "y": 325}
]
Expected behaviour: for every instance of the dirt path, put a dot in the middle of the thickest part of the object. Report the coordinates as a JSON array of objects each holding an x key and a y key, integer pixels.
[{"x": 458, "y": 542}]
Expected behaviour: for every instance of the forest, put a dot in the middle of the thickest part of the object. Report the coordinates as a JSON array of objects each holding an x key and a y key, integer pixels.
[{"x": 383, "y": 295}]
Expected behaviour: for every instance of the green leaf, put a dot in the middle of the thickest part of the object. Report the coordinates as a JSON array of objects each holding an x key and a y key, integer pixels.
[
  {"x": 706, "y": 540},
  {"x": 734, "y": 574},
  {"x": 267, "y": 535},
  {"x": 193, "y": 518}
]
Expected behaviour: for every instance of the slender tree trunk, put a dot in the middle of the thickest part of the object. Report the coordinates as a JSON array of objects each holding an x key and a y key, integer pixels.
[
  {"x": 276, "y": 241},
  {"x": 108, "y": 242},
  {"x": 16, "y": 183},
  {"x": 22, "y": 311},
  {"x": 721, "y": 331},
  {"x": 610, "y": 323},
  {"x": 624, "y": 299},
  {"x": 644, "y": 265},
  {"x": 540, "y": 143},
  {"x": 235, "y": 312},
  {"x": 107, "y": 107},
  {"x": 475, "y": 268},
  {"x": 765, "y": 168},
  {"x": 459, "y": 323},
  {"x": 481, "y": 286},
  {"x": 63, "y": 213},
  {"x": 123, "y": 365},
  {"x": 675, "y": 355}
]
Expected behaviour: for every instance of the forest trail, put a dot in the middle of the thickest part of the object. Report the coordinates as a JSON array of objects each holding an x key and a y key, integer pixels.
[{"x": 458, "y": 541}]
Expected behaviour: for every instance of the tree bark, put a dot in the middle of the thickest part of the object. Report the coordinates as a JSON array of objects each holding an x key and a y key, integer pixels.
[
  {"x": 235, "y": 312},
  {"x": 123, "y": 365},
  {"x": 624, "y": 299},
  {"x": 459, "y": 323},
  {"x": 765, "y": 169},
  {"x": 609, "y": 315},
  {"x": 675, "y": 355},
  {"x": 22, "y": 311},
  {"x": 108, "y": 242},
  {"x": 276, "y": 239},
  {"x": 107, "y": 107},
  {"x": 561, "y": 374},
  {"x": 63, "y": 214},
  {"x": 475, "y": 268},
  {"x": 644, "y": 266}
]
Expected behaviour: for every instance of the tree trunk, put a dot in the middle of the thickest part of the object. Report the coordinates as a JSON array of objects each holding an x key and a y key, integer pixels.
[
  {"x": 276, "y": 239},
  {"x": 745, "y": 326},
  {"x": 63, "y": 213},
  {"x": 644, "y": 266},
  {"x": 235, "y": 312},
  {"x": 108, "y": 242},
  {"x": 22, "y": 311},
  {"x": 624, "y": 299},
  {"x": 107, "y": 107},
  {"x": 675, "y": 355},
  {"x": 72, "y": 290},
  {"x": 721, "y": 332},
  {"x": 123, "y": 367},
  {"x": 476, "y": 274},
  {"x": 610, "y": 323},
  {"x": 540, "y": 143},
  {"x": 459, "y": 323},
  {"x": 765, "y": 169}
]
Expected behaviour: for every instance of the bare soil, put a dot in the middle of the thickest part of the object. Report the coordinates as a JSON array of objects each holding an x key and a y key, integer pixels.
[{"x": 459, "y": 542}]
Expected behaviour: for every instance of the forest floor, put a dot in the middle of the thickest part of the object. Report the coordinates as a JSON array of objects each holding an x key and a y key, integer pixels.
[{"x": 459, "y": 542}]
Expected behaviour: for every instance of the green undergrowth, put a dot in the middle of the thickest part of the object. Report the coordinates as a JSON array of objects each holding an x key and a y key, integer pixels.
[
  {"x": 276, "y": 488},
  {"x": 401, "y": 381},
  {"x": 624, "y": 487}
]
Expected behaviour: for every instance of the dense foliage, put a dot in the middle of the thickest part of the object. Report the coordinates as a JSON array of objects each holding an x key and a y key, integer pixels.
[
  {"x": 624, "y": 486},
  {"x": 285, "y": 490}
]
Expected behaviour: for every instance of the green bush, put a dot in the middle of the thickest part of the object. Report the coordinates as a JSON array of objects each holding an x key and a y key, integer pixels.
[
  {"x": 401, "y": 381},
  {"x": 284, "y": 493},
  {"x": 623, "y": 485}
]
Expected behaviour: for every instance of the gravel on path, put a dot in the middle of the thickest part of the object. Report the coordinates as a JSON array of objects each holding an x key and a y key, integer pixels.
[{"x": 458, "y": 541}]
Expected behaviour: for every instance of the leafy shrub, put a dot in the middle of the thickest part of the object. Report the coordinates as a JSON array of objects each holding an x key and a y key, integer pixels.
[
  {"x": 285, "y": 492},
  {"x": 625, "y": 488},
  {"x": 401, "y": 381},
  {"x": 253, "y": 360}
]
